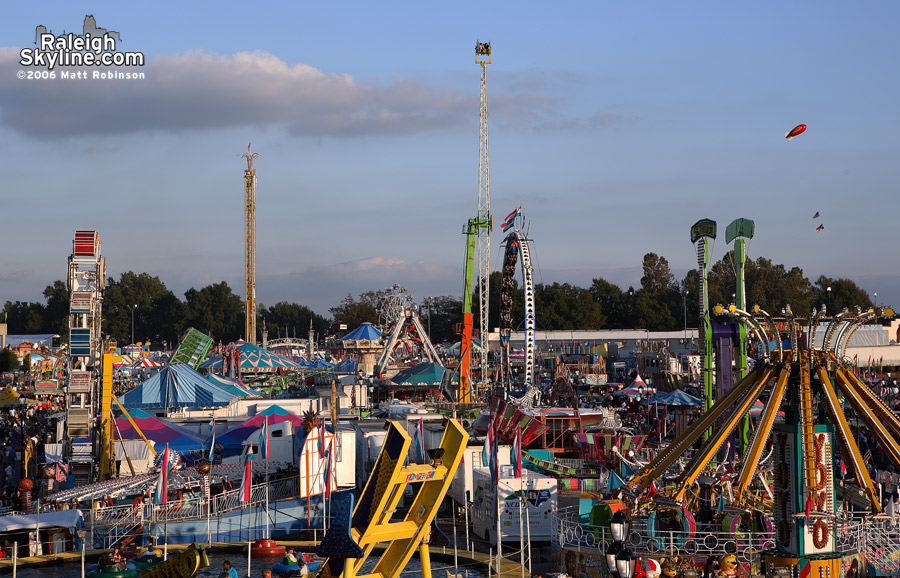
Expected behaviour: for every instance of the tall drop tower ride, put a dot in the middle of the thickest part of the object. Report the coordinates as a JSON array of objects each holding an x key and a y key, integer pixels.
[
  {"x": 250, "y": 247},
  {"x": 483, "y": 57}
]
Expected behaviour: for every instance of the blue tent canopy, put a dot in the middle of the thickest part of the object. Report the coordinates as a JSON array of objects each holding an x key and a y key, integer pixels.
[
  {"x": 347, "y": 366},
  {"x": 675, "y": 398},
  {"x": 364, "y": 331},
  {"x": 177, "y": 385},
  {"x": 235, "y": 386}
]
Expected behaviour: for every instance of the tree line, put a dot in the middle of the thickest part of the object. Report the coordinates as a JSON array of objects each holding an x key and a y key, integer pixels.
[
  {"x": 157, "y": 315},
  {"x": 661, "y": 302}
]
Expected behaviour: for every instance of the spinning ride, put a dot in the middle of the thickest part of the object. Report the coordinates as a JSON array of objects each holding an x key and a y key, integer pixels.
[{"x": 806, "y": 379}]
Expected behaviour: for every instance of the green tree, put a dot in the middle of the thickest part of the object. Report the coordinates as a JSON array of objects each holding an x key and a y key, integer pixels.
[
  {"x": 612, "y": 302},
  {"x": 440, "y": 315},
  {"x": 354, "y": 313},
  {"x": 56, "y": 312},
  {"x": 8, "y": 360},
  {"x": 565, "y": 306},
  {"x": 24, "y": 318},
  {"x": 836, "y": 294},
  {"x": 690, "y": 289},
  {"x": 657, "y": 279},
  {"x": 290, "y": 319},
  {"x": 650, "y": 312},
  {"x": 158, "y": 315},
  {"x": 773, "y": 287},
  {"x": 216, "y": 311}
]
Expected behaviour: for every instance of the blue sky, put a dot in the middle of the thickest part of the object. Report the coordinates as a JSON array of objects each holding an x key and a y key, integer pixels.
[{"x": 615, "y": 125}]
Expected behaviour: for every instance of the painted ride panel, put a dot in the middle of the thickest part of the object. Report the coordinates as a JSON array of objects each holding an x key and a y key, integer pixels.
[{"x": 349, "y": 542}]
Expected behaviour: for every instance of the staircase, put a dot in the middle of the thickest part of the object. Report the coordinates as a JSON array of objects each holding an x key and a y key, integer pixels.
[{"x": 193, "y": 348}]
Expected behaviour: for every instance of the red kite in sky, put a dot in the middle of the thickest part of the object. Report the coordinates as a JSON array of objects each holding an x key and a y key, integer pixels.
[
  {"x": 795, "y": 131},
  {"x": 816, "y": 216},
  {"x": 820, "y": 228}
]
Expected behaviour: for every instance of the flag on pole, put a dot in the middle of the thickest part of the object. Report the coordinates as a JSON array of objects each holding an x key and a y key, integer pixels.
[
  {"x": 488, "y": 443},
  {"x": 843, "y": 469},
  {"x": 510, "y": 219},
  {"x": 247, "y": 478},
  {"x": 494, "y": 458},
  {"x": 328, "y": 472},
  {"x": 162, "y": 482},
  {"x": 264, "y": 439},
  {"x": 321, "y": 439},
  {"x": 212, "y": 443},
  {"x": 515, "y": 454},
  {"x": 420, "y": 440},
  {"x": 489, "y": 456}
]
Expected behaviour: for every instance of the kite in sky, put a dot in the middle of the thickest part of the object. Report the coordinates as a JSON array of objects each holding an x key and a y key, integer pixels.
[
  {"x": 816, "y": 216},
  {"x": 795, "y": 131},
  {"x": 820, "y": 228}
]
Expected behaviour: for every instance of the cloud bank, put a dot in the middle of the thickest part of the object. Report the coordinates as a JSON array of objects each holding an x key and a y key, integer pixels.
[{"x": 200, "y": 90}]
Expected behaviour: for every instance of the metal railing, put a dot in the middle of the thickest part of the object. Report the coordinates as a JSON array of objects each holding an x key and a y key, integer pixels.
[
  {"x": 570, "y": 534},
  {"x": 194, "y": 506},
  {"x": 881, "y": 540},
  {"x": 112, "y": 523},
  {"x": 877, "y": 536}
]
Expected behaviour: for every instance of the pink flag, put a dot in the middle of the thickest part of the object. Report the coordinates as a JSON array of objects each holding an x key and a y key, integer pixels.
[
  {"x": 328, "y": 472},
  {"x": 247, "y": 478}
]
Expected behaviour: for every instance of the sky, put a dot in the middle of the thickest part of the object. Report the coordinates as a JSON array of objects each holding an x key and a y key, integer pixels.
[{"x": 615, "y": 125}]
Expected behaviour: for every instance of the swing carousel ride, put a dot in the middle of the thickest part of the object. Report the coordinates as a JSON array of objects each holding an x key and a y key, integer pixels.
[{"x": 811, "y": 381}]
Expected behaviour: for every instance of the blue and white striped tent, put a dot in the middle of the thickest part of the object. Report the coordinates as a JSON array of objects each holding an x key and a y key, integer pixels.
[
  {"x": 235, "y": 386},
  {"x": 177, "y": 386}
]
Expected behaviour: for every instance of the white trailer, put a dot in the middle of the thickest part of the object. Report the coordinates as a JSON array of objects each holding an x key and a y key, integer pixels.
[
  {"x": 281, "y": 444},
  {"x": 370, "y": 434},
  {"x": 463, "y": 480},
  {"x": 432, "y": 427},
  {"x": 537, "y": 503},
  {"x": 345, "y": 458}
]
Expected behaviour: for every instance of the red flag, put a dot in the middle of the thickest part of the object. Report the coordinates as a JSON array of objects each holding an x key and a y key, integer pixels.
[
  {"x": 809, "y": 504},
  {"x": 328, "y": 472},
  {"x": 247, "y": 478}
]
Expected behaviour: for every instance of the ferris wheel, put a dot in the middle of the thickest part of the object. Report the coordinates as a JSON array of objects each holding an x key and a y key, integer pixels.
[{"x": 393, "y": 302}]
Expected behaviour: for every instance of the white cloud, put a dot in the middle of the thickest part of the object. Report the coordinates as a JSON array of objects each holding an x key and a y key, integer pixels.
[{"x": 200, "y": 90}]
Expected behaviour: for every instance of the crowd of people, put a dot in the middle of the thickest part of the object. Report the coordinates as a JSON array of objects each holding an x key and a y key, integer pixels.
[{"x": 24, "y": 433}]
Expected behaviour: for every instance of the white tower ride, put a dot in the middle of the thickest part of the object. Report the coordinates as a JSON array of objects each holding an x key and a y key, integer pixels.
[{"x": 483, "y": 57}]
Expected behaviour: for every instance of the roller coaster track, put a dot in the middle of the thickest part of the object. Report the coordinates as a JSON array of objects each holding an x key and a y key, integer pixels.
[{"x": 516, "y": 244}]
